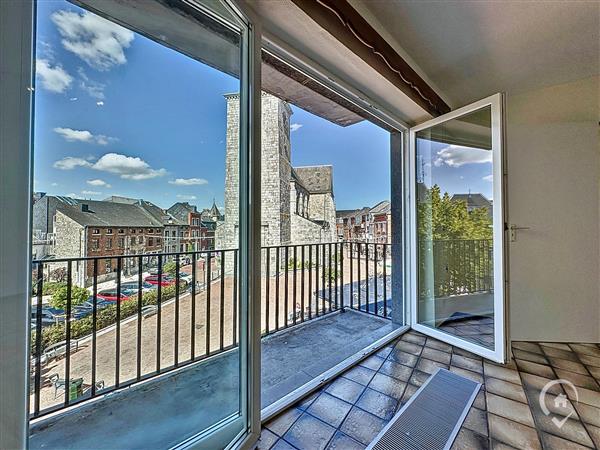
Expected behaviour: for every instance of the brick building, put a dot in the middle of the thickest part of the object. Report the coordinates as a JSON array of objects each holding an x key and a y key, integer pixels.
[
  {"x": 84, "y": 228},
  {"x": 198, "y": 232}
]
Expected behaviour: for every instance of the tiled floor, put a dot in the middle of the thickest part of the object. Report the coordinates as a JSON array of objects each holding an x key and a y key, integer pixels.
[
  {"x": 349, "y": 412},
  {"x": 479, "y": 330}
]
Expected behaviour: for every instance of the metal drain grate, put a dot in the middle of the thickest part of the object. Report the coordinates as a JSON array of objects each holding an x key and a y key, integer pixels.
[{"x": 430, "y": 420}]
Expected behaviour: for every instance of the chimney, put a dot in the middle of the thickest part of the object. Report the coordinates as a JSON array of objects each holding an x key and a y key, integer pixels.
[{"x": 85, "y": 207}]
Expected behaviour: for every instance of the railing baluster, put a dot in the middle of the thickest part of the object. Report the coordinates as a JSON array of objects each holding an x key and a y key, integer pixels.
[
  {"x": 317, "y": 263},
  {"x": 68, "y": 334},
  {"x": 302, "y": 287},
  {"x": 222, "y": 305},
  {"x": 351, "y": 245},
  {"x": 342, "y": 275},
  {"x": 329, "y": 274},
  {"x": 118, "y": 331},
  {"x": 193, "y": 312},
  {"x": 295, "y": 278},
  {"x": 358, "y": 275},
  {"x": 336, "y": 273},
  {"x": 277, "y": 289},
  {"x": 208, "y": 268},
  {"x": 38, "y": 339},
  {"x": 385, "y": 314},
  {"x": 94, "y": 324},
  {"x": 310, "y": 270},
  {"x": 176, "y": 331},
  {"x": 267, "y": 290},
  {"x": 158, "y": 312},
  {"x": 323, "y": 310},
  {"x": 139, "y": 319},
  {"x": 235, "y": 299},
  {"x": 286, "y": 283},
  {"x": 376, "y": 279},
  {"x": 367, "y": 298}
]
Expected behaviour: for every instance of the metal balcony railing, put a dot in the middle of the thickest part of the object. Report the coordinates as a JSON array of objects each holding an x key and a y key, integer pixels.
[{"x": 180, "y": 308}]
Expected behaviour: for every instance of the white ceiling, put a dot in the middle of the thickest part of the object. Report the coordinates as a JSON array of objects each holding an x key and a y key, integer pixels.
[{"x": 469, "y": 50}]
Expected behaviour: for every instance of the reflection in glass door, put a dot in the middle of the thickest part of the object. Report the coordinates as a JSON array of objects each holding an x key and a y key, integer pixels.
[{"x": 458, "y": 227}]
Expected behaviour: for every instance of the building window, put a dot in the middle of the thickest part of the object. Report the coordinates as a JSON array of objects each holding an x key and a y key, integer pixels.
[
  {"x": 109, "y": 243},
  {"x": 109, "y": 231},
  {"x": 121, "y": 242},
  {"x": 121, "y": 231},
  {"x": 157, "y": 241},
  {"x": 150, "y": 242},
  {"x": 140, "y": 231},
  {"x": 96, "y": 231},
  {"x": 133, "y": 231},
  {"x": 95, "y": 244},
  {"x": 141, "y": 240},
  {"x": 151, "y": 230}
]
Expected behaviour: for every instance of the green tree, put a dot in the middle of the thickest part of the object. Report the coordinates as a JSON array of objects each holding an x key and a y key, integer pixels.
[
  {"x": 441, "y": 218},
  {"x": 78, "y": 296},
  {"x": 170, "y": 268}
]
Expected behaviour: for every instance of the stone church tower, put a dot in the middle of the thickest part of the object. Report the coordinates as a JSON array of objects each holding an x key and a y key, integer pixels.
[{"x": 288, "y": 194}]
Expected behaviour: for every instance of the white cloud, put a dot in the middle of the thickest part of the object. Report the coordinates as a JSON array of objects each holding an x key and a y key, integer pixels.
[
  {"x": 98, "y": 182},
  {"x": 52, "y": 76},
  {"x": 73, "y": 99},
  {"x": 72, "y": 135},
  {"x": 97, "y": 41},
  {"x": 54, "y": 184},
  {"x": 72, "y": 194},
  {"x": 100, "y": 103},
  {"x": 489, "y": 178},
  {"x": 186, "y": 197},
  {"x": 295, "y": 127},
  {"x": 127, "y": 167},
  {"x": 93, "y": 88},
  {"x": 188, "y": 181},
  {"x": 70, "y": 163},
  {"x": 456, "y": 156},
  {"x": 93, "y": 193}
]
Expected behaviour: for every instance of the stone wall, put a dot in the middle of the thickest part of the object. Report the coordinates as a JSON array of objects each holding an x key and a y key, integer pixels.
[{"x": 70, "y": 243}]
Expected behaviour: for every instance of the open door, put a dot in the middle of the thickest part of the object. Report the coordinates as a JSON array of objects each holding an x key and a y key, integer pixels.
[{"x": 457, "y": 228}]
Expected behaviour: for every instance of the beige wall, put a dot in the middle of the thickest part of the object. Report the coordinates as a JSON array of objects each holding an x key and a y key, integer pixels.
[{"x": 553, "y": 188}]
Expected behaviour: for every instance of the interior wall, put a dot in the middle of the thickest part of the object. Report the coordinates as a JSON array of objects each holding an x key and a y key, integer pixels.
[{"x": 554, "y": 189}]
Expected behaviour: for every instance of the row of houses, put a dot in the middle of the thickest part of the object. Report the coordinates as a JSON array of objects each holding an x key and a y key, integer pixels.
[
  {"x": 65, "y": 227},
  {"x": 367, "y": 224},
  {"x": 374, "y": 224}
]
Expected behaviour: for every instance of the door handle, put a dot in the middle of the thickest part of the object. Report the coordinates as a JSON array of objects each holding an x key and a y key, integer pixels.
[{"x": 512, "y": 228}]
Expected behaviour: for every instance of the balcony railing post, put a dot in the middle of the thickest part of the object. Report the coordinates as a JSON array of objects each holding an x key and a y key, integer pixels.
[
  {"x": 94, "y": 324},
  {"x": 343, "y": 306},
  {"x": 193, "y": 311},
  {"x": 176, "y": 331},
  {"x": 38, "y": 339},
  {"x": 68, "y": 334},
  {"x": 295, "y": 281},
  {"x": 376, "y": 278},
  {"x": 385, "y": 314},
  {"x": 222, "y": 305},
  {"x": 267, "y": 289},
  {"x": 158, "y": 312},
  {"x": 286, "y": 286},
  {"x": 139, "y": 320},
  {"x": 207, "y": 290},
  {"x": 367, "y": 298},
  {"x": 235, "y": 299},
  {"x": 302, "y": 287},
  {"x": 310, "y": 271},
  {"x": 277, "y": 288}
]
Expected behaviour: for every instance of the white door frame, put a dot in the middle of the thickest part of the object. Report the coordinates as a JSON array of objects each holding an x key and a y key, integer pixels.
[{"x": 498, "y": 354}]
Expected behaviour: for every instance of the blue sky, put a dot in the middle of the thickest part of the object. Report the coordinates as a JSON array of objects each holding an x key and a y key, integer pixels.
[{"x": 118, "y": 114}]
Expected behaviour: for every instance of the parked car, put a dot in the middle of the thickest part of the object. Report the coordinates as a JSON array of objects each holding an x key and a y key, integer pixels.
[
  {"x": 50, "y": 316},
  {"x": 132, "y": 287},
  {"x": 187, "y": 277},
  {"x": 184, "y": 260},
  {"x": 165, "y": 280},
  {"x": 100, "y": 303},
  {"x": 111, "y": 295}
]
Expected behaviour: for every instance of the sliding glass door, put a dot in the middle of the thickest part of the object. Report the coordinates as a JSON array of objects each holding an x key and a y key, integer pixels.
[{"x": 457, "y": 228}]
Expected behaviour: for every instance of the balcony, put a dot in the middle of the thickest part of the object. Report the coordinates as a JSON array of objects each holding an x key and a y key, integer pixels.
[{"x": 165, "y": 348}]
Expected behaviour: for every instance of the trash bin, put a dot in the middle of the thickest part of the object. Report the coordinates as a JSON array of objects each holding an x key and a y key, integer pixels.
[{"x": 76, "y": 389}]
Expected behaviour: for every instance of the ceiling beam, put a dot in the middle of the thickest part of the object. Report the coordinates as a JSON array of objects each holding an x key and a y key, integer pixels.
[{"x": 344, "y": 23}]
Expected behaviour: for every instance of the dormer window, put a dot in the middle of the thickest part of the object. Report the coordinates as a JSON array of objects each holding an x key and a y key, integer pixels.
[
  {"x": 109, "y": 231},
  {"x": 121, "y": 231},
  {"x": 96, "y": 231}
]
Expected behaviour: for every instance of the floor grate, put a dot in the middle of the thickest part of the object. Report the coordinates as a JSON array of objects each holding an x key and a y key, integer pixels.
[{"x": 430, "y": 420}]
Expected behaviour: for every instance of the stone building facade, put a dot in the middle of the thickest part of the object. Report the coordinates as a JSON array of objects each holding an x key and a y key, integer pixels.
[{"x": 298, "y": 205}]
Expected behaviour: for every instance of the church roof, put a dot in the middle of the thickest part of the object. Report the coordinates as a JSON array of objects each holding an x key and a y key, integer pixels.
[{"x": 315, "y": 179}]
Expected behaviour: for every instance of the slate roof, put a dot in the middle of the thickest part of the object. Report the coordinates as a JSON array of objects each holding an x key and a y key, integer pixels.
[
  {"x": 181, "y": 210},
  {"x": 383, "y": 207},
  {"x": 315, "y": 179},
  {"x": 473, "y": 200},
  {"x": 103, "y": 213}
]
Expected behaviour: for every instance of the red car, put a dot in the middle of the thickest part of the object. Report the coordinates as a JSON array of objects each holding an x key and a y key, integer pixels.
[
  {"x": 111, "y": 295},
  {"x": 165, "y": 280}
]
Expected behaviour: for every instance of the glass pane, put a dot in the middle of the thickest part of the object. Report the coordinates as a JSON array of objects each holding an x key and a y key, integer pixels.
[
  {"x": 136, "y": 274},
  {"x": 454, "y": 176}
]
